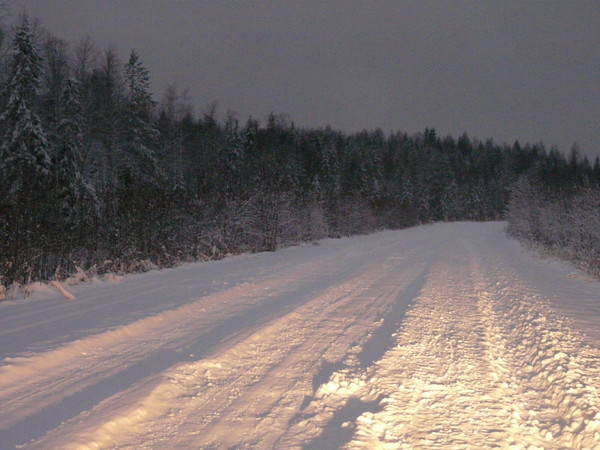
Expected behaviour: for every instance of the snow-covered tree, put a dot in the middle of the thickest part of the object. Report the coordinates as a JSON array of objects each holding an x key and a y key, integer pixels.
[
  {"x": 232, "y": 157},
  {"x": 142, "y": 210},
  {"x": 26, "y": 215},
  {"x": 141, "y": 136},
  {"x": 24, "y": 160},
  {"x": 71, "y": 188}
]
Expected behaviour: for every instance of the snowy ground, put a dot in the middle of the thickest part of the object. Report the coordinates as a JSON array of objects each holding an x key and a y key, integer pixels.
[{"x": 439, "y": 336}]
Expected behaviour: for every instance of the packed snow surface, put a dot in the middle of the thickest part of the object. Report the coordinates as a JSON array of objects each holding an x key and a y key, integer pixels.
[{"x": 440, "y": 336}]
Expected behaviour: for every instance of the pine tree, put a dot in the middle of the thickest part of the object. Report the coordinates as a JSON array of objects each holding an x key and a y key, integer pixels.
[
  {"x": 26, "y": 218},
  {"x": 233, "y": 158},
  {"x": 71, "y": 189},
  {"x": 140, "y": 175},
  {"x": 24, "y": 160},
  {"x": 141, "y": 135},
  {"x": 101, "y": 92}
]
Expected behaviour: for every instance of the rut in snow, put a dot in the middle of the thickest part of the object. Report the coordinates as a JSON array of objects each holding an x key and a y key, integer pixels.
[{"x": 447, "y": 335}]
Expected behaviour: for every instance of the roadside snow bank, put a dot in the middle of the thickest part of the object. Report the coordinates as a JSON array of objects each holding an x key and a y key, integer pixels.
[{"x": 558, "y": 372}]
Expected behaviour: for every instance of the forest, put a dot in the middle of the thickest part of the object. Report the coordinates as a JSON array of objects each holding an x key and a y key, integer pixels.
[{"x": 97, "y": 175}]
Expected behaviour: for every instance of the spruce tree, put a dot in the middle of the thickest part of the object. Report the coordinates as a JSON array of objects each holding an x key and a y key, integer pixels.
[
  {"x": 141, "y": 135},
  {"x": 143, "y": 210},
  {"x": 26, "y": 219},
  {"x": 71, "y": 189},
  {"x": 24, "y": 160}
]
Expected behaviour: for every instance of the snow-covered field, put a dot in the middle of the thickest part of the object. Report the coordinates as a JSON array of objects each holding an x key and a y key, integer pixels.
[{"x": 448, "y": 335}]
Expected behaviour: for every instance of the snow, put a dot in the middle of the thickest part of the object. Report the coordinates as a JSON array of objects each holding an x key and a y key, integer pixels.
[{"x": 447, "y": 335}]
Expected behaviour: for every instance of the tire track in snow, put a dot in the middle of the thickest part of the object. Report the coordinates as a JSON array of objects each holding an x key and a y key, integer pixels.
[
  {"x": 378, "y": 341},
  {"x": 441, "y": 386},
  {"x": 339, "y": 428},
  {"x": 481, "y": 361},
  {"x": 117, "y": 304},
  {"x": 256, "y": 384},
  {"x": 30, "y": 387}
]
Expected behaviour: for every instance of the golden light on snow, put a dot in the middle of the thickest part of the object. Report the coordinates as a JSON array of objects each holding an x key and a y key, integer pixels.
[{"x": 399, "y": 340}]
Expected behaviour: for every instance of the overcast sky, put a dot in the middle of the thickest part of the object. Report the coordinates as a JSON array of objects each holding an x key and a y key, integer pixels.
[{"x": 522, "y": 70}]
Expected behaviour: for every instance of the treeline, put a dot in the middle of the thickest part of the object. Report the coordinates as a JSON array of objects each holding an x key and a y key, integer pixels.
[
  {"x": 94, "y": 173},
  {"x": 557, "y": 209}
]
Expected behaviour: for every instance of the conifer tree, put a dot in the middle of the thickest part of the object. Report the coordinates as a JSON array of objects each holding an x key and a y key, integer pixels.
[
  {"x": 142, "y": 211},
  {"x": 71, "y": 188},
  {"x": 25, "y": 166},
  {"x": 141, "y": 135},
  {"x": 24, "y": 160}
]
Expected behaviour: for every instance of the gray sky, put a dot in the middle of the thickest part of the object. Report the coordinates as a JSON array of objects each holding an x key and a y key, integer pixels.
[{"x": 508, "y": 70}]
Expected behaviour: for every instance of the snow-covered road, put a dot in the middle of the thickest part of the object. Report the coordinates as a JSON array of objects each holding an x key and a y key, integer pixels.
[{"x": 447, "y": 335}]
